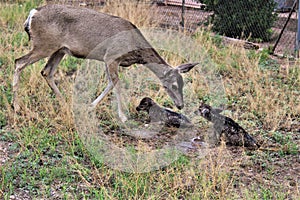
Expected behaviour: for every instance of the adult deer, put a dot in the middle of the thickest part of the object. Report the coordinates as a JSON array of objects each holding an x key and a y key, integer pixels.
[{"x": 56, "y": 30}]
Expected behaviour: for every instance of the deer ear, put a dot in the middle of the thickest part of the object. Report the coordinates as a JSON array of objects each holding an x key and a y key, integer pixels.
[{"x": 186, "y": 67}]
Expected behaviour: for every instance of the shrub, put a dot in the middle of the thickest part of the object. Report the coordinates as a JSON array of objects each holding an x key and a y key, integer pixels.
[{"x": 247, "y": 18}]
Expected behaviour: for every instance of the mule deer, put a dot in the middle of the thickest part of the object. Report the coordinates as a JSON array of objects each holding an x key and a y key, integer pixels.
[
  {"x": 56, "y": 30},
  {"x": 226, "y": 127},
  {"x": 163, "y": 115}
]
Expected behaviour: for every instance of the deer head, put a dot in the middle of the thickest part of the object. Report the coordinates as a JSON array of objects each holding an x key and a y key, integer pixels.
[{"x": 173, "y": 83}]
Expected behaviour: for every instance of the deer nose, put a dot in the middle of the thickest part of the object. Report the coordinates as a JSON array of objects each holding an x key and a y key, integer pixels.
[{"x": 179, "y": 107}]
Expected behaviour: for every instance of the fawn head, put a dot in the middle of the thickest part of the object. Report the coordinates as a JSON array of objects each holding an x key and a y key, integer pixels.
[
  {"x": 145, "y": 104},
  {"x": 207, "y": 111}
]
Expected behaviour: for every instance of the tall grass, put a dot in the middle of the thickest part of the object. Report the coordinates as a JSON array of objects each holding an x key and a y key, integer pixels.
[{"x": 49, "y": 159}]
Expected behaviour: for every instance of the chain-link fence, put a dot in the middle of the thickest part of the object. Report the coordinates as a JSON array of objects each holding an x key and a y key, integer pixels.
[
  {"x": 89, "y": 3},
  {"x": 285, "y": 30},
  {"x": 173, "y": 14},
  {"x": 192, "y": 14}
]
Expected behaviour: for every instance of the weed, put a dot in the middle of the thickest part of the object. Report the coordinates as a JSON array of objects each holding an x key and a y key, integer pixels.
[
  {"x": 49, "y": 159},
  {"x": 288, "y": 146}
]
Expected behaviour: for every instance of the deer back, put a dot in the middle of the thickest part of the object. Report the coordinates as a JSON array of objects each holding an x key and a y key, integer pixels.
[{"x": 90, "y": 34}]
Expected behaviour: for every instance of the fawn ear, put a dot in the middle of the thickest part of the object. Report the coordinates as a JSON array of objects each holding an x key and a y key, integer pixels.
[{"x": 186, "y": 67}]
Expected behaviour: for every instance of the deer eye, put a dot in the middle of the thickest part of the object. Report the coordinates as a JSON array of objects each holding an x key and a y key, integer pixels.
[{"x": 174, "y": 87}]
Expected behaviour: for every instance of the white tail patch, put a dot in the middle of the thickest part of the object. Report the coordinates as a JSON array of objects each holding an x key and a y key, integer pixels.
[{"x": 29, "y": 18}]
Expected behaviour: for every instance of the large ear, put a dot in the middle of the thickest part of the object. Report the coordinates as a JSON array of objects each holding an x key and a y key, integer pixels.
[{"x": 186, "y": 67}]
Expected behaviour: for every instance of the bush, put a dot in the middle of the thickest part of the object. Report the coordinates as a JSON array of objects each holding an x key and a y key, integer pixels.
[{"x": 247, "y": 18}]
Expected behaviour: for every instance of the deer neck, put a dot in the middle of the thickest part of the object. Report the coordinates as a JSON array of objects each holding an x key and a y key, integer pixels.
[{"x": 159, "y": 69}]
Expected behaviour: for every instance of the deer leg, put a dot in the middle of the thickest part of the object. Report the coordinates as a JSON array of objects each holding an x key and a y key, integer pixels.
[
  {"x": 112, "y": 75},
  {"x": 119, "y": 100},
  {"x": 21, "y": 63},
  {"x": 50, "y": 68}
]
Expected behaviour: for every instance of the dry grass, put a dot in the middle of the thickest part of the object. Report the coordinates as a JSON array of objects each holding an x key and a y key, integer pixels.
[
  {"x": 130, "y": 10},
  {"x": 49, "y": 158}
]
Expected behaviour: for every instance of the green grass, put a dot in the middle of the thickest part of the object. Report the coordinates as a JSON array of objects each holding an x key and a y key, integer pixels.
[{"x": 48, "y": 158}]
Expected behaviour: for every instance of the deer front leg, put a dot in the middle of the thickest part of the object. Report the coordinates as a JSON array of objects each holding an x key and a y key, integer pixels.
[
  {"x": 103, "y": 94},
  {"x": 113, "y": 78},
  {"x": 119, "y": 100}
]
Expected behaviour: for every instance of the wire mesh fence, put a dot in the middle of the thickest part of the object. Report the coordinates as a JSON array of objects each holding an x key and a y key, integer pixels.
[
  {"x": 285, "y": 33},
  {"x": 89, "y": 3},
  {"x": 192, "y": 14},
  {"x": 280, "y": 37},
  {"x": 174, "y": 17}
]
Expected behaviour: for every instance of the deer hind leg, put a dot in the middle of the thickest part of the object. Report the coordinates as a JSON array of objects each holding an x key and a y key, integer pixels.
[
  {"x": 21, "y": 63},
  {"x": 50, "y": 68}
]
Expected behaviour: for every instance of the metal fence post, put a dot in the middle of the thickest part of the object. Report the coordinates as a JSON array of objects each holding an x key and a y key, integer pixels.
[
  {"x": 298, "y": 32},
  {"x": 182, "y": 13},
  {"x": 284, "y": 26}
]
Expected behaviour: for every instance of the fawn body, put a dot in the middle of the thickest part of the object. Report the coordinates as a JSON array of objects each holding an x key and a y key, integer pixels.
[
  {"x": 226, "y": 128},
  {"x": 159, "y": 114}
]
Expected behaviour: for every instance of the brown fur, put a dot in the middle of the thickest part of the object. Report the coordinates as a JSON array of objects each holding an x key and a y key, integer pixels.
[
  {"x": 57, "y": 30},
  {"x": 226, "y": 128}
]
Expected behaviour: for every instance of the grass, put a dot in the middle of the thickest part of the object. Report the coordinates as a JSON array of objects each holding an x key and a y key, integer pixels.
[{"x": 47, "y": 156}]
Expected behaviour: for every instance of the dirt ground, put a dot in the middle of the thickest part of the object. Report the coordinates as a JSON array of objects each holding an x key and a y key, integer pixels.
[
  {"x": 4, "y": 152},
  {"x": 266, "y": 166}
]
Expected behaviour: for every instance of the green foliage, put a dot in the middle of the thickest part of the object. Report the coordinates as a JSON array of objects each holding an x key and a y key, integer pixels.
[
  {"x": 45, "y": 158},
  {"x": 250, "y": 18},
  {"x": 3, "y": 120},
  {"x": 15, "y": 12},
  {"x": 40, "y": 161},
  {"x": 288, "y": 145}
]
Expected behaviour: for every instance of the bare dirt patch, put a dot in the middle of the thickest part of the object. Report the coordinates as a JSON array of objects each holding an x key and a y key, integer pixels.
[{"x": 4, "y": 152}]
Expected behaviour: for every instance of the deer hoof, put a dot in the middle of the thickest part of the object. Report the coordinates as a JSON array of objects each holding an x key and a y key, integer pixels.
[
  {"x": 91, "y": 107},
  {"x": 123, "y": 117},
  {"x": 16, "y": 107}
]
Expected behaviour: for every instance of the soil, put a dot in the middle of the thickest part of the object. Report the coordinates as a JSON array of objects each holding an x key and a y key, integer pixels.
[
  {"x": 264, "y": 167},
  {"x": 4, "y": 152}
]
